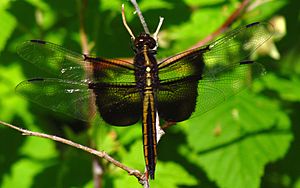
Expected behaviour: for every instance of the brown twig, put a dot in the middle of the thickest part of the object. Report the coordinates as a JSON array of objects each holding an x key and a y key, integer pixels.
[
  {"x": 225, "y": 25},
  {"x": 97, "y": 172},
  {"x": 100, "y": 154},
  {"x": 168, "y": 124},
  {"x": 140, "y": 15}
]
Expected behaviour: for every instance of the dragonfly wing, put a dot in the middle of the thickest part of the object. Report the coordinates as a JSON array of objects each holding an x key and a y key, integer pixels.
[
  {"x": 119, "y": 105},
  {"x": 68, "y": 65},
  {"x": 58, "y": 61},
  {"x": 71, "y": 98},
  {"x": 211, "y": 73},
  {"x": 215, "y": 90},
  {"x": 69, "y": 88},
  {"x": 177, "y": 99},
  {"x": 235, "y": 47}
]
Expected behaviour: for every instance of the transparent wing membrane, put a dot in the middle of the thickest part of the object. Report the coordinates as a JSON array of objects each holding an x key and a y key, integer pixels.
[
  {"x": 56, "y": 60},
  {"x": 68, "y": 90},
  {"x": 71, "y": 98},
  {"x": 234, "y": 47},
  {"x": 221, "y": 69},
  {"x": 190, "y": 83}
]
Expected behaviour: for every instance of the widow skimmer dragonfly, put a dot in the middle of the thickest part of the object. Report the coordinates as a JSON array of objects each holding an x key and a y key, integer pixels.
[{"x": 178, "y": 88}]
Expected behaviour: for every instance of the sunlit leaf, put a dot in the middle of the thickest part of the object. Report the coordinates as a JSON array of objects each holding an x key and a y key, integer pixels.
[
  {"x": 282, "y": 85},
  {"x": 234, "y": 143},
  {"x": 9, "y": 24}
]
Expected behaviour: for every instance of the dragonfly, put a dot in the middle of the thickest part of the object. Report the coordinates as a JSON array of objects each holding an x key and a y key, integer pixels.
[{"x": 175, "y": 89}]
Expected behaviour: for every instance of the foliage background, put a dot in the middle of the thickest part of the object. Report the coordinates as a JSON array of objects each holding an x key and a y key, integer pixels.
[{"x": 251, "y": 140}]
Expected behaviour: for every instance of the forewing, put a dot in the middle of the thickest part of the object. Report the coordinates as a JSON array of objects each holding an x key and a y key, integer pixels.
[
  {"x": 180, "y": 66},
  {"x": 68, "y": 90},
  {"x": 68, "y": 65},
  {"x": 58, "y": 61},
  {"x": 235, "y": 47},
  {"x": 218, "y": 71}
]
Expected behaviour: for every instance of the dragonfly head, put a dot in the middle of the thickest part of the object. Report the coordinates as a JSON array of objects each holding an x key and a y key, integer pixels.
[{"x": 144, "y": 39}]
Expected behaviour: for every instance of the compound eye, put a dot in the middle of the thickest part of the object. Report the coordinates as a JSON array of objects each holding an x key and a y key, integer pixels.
[{"x": 152, "y": 43}]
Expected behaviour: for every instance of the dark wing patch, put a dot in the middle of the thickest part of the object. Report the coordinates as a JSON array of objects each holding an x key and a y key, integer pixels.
[
  {"x": 177, "y": 99},
  {"x": 118, "y": 105}
]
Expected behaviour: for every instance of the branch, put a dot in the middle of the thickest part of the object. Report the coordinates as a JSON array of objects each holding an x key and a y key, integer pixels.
[
  {"x": 238, "y": 12},
  {"x": 140, "y": 15},
  {"x": 101, "y": 154},
  {"x": 97, "y": 173},
  {"x": 168, "y": 124}
]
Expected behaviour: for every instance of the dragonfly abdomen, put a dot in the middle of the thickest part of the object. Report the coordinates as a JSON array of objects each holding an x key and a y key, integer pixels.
[{"x": 149, "y": 131}]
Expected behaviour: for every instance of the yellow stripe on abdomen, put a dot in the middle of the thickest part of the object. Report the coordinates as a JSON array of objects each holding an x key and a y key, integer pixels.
[{"x": 149, "y": 131}]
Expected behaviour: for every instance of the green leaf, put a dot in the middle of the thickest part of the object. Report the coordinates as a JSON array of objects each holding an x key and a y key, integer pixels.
[
  {"x": 4, "y": 4},
  {"x": 168, "y": 174},
  {"x": 33, "y": 159},
  {"x": 106, "y": 138},
  {"x": 33, "y": 145},
  {"x": 22, "y": 174},
  {"x": 8, "y": 25},
  {"x": 297, "y": 184},
  {"x": 111, "y": 5},
  {"x": 260, "y": 12},
  {"x": 135, "y": 156},
  {"x": 282, "y": 85},
  {"x": 133, "y": 159},
  {"x": 39, "y": 4},
  {"x": 154, "y": 4},
  {"x": 171, "y": 174},
  {"x": 75, "y": 169},
  {"x": 7, "y": 85},
  {"x": 188, "y": 33},
  {"x": 235, "y": 141}
]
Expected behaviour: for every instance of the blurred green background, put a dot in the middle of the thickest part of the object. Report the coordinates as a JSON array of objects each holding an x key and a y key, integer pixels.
[{"x": 251, "y": 140}]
